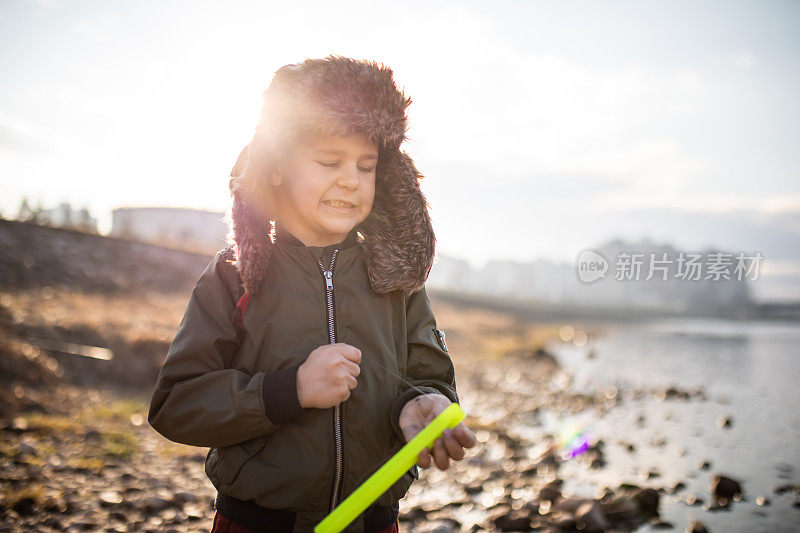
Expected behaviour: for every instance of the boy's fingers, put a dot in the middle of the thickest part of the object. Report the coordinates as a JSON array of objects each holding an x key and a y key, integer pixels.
[
  {"x": 464, "y": 436},
  {"x": 452, "y": 445},
  {"x": 440, "y": 456},
  {"x": 352, "y": 353},
  {"x": 424, "y": 459},
  {"x": 353, "y": 368}
]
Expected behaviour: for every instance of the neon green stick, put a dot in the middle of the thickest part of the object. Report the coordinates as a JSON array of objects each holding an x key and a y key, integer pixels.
[{"x": 380, "y": 481}]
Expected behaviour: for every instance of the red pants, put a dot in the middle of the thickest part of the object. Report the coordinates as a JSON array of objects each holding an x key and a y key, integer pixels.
[{"x": 223, "y": 525}]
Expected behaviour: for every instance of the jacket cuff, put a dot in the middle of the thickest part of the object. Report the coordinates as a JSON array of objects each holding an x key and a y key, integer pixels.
[
  {"x": 401, "y": 401},
  {"x": 279, "y": 390}
]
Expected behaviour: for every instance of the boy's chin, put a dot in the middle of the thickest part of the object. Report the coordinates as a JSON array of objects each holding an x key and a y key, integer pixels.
[{"x": 340, "y": 226}]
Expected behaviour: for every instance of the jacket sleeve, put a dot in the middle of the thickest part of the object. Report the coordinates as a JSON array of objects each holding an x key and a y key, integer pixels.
[
  {"x": 197, "y": 399},
  {"x": 430, "y": 368}
]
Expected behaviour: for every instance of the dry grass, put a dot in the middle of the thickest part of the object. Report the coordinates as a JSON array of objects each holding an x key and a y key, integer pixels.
[
  {"x": 151, "y": 316},
  {"x": 473, "y": 332}
]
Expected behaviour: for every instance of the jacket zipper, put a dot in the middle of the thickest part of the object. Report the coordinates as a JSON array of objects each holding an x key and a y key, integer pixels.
[{"x": 337, "y": 409}]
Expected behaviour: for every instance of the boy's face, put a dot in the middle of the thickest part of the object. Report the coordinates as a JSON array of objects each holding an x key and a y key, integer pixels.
[{"x": 319, "y": 173}]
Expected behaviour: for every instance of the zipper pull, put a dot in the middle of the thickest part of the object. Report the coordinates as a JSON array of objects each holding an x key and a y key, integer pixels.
[{"x": 329, "y": 280}]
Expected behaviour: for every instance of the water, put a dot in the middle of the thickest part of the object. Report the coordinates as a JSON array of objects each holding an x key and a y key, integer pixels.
[{"x": 750, "y": 373}]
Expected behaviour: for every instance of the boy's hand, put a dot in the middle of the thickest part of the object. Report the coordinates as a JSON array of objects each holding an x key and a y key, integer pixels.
[
  {"x": 418, "y": 413},
  {"x": 328, "y": 375}
]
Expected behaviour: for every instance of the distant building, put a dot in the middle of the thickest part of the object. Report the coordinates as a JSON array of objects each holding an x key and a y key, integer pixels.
[
  {"x": 178, "y": 227},
  {"x": 61, "y": 216},
  {"x": 558, "y": 283}
]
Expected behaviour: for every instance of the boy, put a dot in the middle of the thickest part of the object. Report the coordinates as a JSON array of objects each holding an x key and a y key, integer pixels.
[{"x": 330, "y": 359}]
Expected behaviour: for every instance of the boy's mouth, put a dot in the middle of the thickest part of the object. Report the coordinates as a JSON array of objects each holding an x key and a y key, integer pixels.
[{"x": 340, "y": 205}]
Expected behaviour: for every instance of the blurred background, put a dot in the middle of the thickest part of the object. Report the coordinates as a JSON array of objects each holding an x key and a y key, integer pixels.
[{"x": 614, "y": 189}]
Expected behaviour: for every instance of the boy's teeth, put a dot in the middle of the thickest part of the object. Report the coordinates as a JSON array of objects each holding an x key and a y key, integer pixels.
[{"x": 339, "y": 204}]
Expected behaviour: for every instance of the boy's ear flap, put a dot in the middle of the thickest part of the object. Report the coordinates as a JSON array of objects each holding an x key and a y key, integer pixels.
[
  {"x": 249, "y": 224},
  {"x": 251, "y": 176},
  {"x": 399, "y": 242}
]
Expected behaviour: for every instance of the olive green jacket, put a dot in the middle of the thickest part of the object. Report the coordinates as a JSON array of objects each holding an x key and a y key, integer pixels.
[{"x": 235, "y": 392}]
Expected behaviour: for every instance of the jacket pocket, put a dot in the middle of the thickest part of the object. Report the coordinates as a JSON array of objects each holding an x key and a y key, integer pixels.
[{"x": 231, "y": 459}]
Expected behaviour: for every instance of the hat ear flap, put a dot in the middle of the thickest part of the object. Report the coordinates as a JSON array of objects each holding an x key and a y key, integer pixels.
[
  {"x": 399, "y": 242},
  {"x": 249, "y": 220}
]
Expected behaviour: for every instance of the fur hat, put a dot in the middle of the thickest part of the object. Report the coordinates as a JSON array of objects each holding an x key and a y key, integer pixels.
[{"x": 342, "y": 96}]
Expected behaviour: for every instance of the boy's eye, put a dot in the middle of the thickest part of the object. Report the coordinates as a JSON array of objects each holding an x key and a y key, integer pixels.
[{"x": 332, "y": 164}]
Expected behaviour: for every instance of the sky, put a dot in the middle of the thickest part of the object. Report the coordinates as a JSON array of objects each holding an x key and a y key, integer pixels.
[{"x": 542, "y": 127}]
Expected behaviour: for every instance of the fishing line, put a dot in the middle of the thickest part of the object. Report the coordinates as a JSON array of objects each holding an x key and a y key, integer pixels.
[
  {"x": 396, "y": 375},
  {"x": 375, "y": 466}
]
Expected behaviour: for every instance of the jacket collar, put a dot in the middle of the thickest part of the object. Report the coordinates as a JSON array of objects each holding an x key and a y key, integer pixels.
[
  {"x": 284, "y": 236},
  {"x": 306, "y": 258}
]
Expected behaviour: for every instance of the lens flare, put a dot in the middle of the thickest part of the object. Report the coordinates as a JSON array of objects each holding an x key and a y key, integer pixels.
[{"x": 572, "y": 442}]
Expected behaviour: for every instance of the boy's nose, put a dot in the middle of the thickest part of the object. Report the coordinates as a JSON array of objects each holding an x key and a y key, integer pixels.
[{"x": 348, "y": 178}]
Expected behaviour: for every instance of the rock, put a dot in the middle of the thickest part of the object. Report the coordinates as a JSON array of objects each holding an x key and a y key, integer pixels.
[
  {"x": 571, "y": 505},
  {"x": 780, "y": 489},
  {"x": 696, "y": 527},
  {"x": 93, "y": 435},
  {"x": 661, "y": 524},
  {"x": 179, "y": 499},
  {"x": 590, "y": 518},
  {"x": 532, "y": 508},
  {"x": 27, "y": 449},
  {"x": 691, "y": 499},
  {"x": 506, "y": 519},
  {"x": 542, "y": 355},
  {"x": 566, "y": 524},
  {"x": 53, "y": 523},
  {"x": 25, "y": 506},
  {"x": 716, "y": 506},
  {"x": 82, "y": 526},
  {"x": 110, "y": 498},
  {"x": 413, "y": 514},
  {"x": 677, "y": 487},
  {"x": 652, "y": 473},
  {"x": 724, "y": 489},
  {"x": 647, "y": 502},
  {"x": 762, "y": 500},
  {"x": 551, "y": 492},
  {"x": 154, "y": 505},
  {"x": 18, "y": 425},
  {"x": 724, "y": 422},
  {"x": 705, "y": 465},
  {"x": 620, "y": 509},
  {"x": 474, "y": 487},
  {"x": 442, "y": 526},
  {"x": 596, "y": 459}
]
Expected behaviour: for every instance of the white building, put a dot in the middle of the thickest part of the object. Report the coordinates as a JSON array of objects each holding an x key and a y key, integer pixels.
[{"x": 178, "y": 227}]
